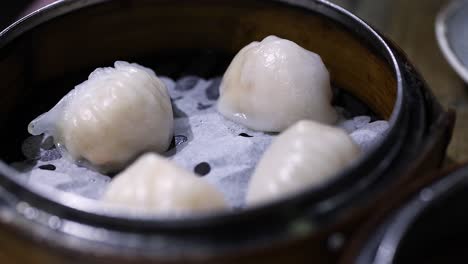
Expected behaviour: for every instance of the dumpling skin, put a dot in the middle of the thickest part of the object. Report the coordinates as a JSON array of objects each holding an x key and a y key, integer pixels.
[
  {"x": 112, "y": 117},
  {"x": 305, "y": 155},
  {"x": 272, "y": 84},
  {"x": 154, "y": 184}
]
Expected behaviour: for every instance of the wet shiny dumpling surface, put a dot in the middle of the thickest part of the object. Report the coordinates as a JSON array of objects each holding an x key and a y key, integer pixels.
[
  {"x": 305, "y": 155},
  {"x": 118, "y": 113},
  {"x": 156, "y": 185},
  {"x": 274, "y": 83}
]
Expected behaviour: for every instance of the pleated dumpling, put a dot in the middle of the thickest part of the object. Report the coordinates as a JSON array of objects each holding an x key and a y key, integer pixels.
[
  {"x": 272, "y": 84},
  {"x": 106, "y": 121},
  {"x": 155, "y": 185},
  {"x": 305, "y": 155}
]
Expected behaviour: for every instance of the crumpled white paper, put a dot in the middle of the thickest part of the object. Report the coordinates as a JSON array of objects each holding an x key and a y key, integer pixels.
[{"x": 221, "y": 151}]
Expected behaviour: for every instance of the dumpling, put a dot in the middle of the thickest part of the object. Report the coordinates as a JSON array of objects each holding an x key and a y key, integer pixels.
[
  {"x": 272, "y": 84},
  {"x": 112, "y": 117},
  {"x": 154, "y": 184},
  {"x": 307, "y": 154}
]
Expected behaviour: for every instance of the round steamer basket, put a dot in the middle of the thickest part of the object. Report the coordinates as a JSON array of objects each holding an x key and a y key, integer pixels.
[
  {"x": 429, "y": 227},
  {"x": 69, "y": 38}
]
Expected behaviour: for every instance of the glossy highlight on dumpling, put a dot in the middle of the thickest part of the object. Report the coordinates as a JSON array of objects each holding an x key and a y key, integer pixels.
[
  {"x": 305, "y": 155},
  {"x": 155, "y": 185},
  {"x": 106, "y": 121},
  {"x": 272, "y": 84}
]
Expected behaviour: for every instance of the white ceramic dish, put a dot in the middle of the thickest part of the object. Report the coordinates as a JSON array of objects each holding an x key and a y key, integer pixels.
[{"x": 452, "y": 35}]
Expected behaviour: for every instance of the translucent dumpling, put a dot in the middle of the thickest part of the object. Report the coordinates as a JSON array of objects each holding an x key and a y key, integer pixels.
[
  {"x": 154, "y": 184},
  {"x": 305, "y": 155},
  {"x": 112, "y": 117},
  {"x": 274, "y": 83}
]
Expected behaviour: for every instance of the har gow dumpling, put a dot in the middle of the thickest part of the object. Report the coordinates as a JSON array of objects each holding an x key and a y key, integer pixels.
[
  {"x": 305, "y": 155},
  {"x": 272, "y": 84},
  {"x": 154, "y": 184},
  {"x": 106, "y": 121}
]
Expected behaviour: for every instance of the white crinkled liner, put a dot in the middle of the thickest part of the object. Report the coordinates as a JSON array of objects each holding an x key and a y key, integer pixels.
[{"x": 201, "y": 136}]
